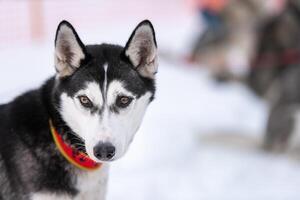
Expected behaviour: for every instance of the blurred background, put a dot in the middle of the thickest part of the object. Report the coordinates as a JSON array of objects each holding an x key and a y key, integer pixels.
[{"x": 210, "y": 132}]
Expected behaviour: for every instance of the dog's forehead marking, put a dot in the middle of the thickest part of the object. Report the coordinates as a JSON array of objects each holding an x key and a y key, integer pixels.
[{"x": 105, "y": 66}]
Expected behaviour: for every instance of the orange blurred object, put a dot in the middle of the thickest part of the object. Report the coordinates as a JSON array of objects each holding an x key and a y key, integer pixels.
[{"x": 213, "y": 5}]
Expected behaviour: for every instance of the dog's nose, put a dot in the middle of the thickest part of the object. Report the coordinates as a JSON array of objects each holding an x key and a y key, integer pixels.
[{"x": 104, "y": 151}]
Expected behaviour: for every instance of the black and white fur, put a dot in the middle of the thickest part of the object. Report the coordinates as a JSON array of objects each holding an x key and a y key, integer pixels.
[{"x": 96, "y": 99}]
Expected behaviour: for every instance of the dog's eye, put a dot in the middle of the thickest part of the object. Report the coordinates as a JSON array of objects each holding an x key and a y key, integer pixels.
[
  {"x": 123, "y": 101},
  {"x": 85, "y": 101}
]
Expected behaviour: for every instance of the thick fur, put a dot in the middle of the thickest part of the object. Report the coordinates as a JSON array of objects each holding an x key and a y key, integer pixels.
[{"x": 31, "y": 167}]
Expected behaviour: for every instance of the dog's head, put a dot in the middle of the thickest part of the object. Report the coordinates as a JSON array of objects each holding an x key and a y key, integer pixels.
[{"x": 102, "y": 91}]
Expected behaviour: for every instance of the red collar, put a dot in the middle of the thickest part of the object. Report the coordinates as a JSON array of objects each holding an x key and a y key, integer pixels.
[{"x": 79, "y": 159}]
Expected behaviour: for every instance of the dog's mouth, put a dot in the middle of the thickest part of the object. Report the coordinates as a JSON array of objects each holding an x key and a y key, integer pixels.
[{"x": 78, "y": 146}]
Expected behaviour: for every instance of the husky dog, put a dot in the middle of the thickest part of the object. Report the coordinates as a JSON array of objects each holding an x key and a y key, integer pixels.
[
  {"x": 58, "y": 140},
  {"x": 275, "y": 74}
]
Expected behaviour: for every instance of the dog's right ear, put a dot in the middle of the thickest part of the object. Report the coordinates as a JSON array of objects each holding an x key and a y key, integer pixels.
[
  {"x": 69, "y": 50},
  {"x": 141, "y": 49}
]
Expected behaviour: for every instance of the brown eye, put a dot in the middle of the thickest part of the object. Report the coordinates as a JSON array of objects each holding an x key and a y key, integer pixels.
[
  {"x": 85, "y": 101},
  {"x": 123, "y": 101}
]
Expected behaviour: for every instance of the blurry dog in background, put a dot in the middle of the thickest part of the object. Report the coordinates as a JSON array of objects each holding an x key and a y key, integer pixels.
[
  {"x": 266, "y": 43},
  {"x": 275, "y": 74}
]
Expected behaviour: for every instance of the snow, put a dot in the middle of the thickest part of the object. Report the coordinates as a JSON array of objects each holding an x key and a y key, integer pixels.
[{"x": 199, "y": 139}]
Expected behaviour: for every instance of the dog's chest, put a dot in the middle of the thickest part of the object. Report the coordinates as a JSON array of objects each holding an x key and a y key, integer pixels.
[{"x": 90, "y": 185}]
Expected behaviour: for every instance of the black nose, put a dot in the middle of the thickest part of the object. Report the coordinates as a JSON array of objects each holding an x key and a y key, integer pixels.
[{"x": 104, "y": 151}]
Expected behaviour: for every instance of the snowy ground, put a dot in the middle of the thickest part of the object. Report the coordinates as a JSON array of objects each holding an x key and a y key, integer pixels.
[{"x": 199, "y": 139}]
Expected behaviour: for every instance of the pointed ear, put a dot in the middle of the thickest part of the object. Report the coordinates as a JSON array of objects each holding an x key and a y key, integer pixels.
[
  {"x": 69, "y": 50},
  {"x": 141, "y": 49}
]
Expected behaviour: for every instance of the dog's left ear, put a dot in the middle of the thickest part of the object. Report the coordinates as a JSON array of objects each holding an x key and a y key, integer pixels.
[
  {"x": 141, "y": 49},
  {"x": 69, "y": 50}
]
